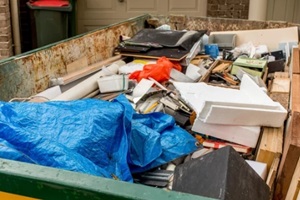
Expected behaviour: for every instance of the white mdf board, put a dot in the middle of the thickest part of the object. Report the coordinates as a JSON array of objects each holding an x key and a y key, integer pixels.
[
  {"x": 249, "y": 106},
  {"x": 250, "y": 93},
  {"x": 245, "y": 116},
  {"x": 244, "y": 135},
  {"x": 269, "y": 37}
]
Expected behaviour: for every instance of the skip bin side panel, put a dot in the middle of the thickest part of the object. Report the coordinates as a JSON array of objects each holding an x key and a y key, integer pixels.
[
  {"x": 29, "y": 73},
  {"x": 50, "y": 183}
]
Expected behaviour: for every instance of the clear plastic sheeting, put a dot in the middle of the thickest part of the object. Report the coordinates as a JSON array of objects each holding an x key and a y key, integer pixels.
[{"x": 91, "y": 136}]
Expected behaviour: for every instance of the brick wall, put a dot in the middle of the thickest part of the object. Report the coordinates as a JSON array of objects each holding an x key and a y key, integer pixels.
[
  {"x": 5, "y": 30},
  {"x": 237, "y": 9}
]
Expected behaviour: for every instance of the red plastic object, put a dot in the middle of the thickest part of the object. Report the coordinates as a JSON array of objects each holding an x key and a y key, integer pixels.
[
  {"x": 159, "y": 71},
  {"x": 50, "y": 3}
]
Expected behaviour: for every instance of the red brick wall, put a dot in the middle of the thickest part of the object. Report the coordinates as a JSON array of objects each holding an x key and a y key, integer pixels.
[
  {"x": 237, "y": 9},
  {"x": 5, "y": 30}
]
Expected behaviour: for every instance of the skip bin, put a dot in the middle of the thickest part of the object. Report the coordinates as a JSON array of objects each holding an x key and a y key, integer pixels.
[
  {"x": 51, "y": 22},
  {"x": 29, "y": 73}
]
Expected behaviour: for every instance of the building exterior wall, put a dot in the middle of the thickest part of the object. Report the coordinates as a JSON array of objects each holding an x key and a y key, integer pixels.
[
  {"x": 5, "y": 30},
  {"x": 228, "y": 8}
]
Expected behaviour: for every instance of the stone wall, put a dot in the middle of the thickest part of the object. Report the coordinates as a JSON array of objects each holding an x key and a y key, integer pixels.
[
  {"x": 5, "y": 30},
  {"x": 237, "y": 9}
]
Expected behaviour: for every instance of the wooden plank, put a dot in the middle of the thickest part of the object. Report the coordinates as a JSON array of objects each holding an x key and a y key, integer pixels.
[
  {"x": 280, "y": 89},
  {"x": 282, "y": 98},
  {"x": 290, "y": 156},
  {"x": 272, "y": 173},
  {"x": 297, "y": 193},
  {"x": 295, "y": 101},
  {"x": 270, "y": 146},
  {"x": 292, "y": 192},
  {"x": 296, "y": 58},
  {"x": 206, "y": 76},
  {"x": 265, "y": 76},
  {"x": 295, "y": 131},
  {"x": 281, "y": 75},
  {"x": 281, "y": 85},
  {"x": 221, "y": 68},
  {"x": 215, "y": 64},
  {"x": 283, "y": 182}
]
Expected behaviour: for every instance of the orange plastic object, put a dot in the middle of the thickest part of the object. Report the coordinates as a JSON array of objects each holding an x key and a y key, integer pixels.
[{"x": 159, "y": 71}]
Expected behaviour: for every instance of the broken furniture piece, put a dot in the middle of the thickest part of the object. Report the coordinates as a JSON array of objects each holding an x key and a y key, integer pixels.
[
  {"x": 154, "y": 43},
  {"x": 221, "y": 174}
]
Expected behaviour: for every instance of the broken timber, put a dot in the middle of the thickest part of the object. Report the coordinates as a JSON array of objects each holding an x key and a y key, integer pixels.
[
  {"x": 270, "y": 146},
  {"x": 280, "y": 89},
  {"x": 291, "y": 151}
]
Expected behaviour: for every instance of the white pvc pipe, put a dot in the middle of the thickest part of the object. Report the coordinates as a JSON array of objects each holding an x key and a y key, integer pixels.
[
  {"x": 258, "y": 10},
  {"x": 15, "y": 26},
  {"x": 89, "y": 85}
]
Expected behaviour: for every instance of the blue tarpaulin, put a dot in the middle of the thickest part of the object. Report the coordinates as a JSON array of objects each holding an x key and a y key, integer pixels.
[{"x": 91, "y": 136}]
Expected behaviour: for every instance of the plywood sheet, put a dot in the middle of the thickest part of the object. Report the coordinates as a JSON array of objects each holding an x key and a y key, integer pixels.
[{"x": 244, "y": 135}]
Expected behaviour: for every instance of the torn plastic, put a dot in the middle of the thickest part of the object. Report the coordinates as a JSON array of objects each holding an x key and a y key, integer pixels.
[{"x": 159, "y": 71}]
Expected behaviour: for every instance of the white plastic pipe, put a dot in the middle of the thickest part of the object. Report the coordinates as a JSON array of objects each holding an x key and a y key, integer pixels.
[
  {"x": 258, "y": 10},
  {"x": 89, "y": 85},
  {"x": 15, "y": 26}
]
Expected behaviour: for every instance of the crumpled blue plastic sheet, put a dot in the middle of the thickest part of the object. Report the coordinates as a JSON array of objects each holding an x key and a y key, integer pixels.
[{"x": 101, "y": 138}]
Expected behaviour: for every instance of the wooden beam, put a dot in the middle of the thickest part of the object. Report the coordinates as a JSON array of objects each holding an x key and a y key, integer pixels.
[
  {"x": 296, "y": 58},
  {"x": 282, "y": 98},
  {"x": 290, "y": 156},
  {"x": 215, "y": 64},
  {"x": 270, "y": 146},
  {"x": 295, "y": 101},
  {"x": 291, "y": 151},
  {"x": 273, "y": 172},
  {"x": 280, "y": 89},
  {"x": 292, "y": 192},
  {"x": 281, "y": 85}
]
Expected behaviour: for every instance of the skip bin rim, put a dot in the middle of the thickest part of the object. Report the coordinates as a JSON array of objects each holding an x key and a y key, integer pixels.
[{"x": 42, "y": 182}]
